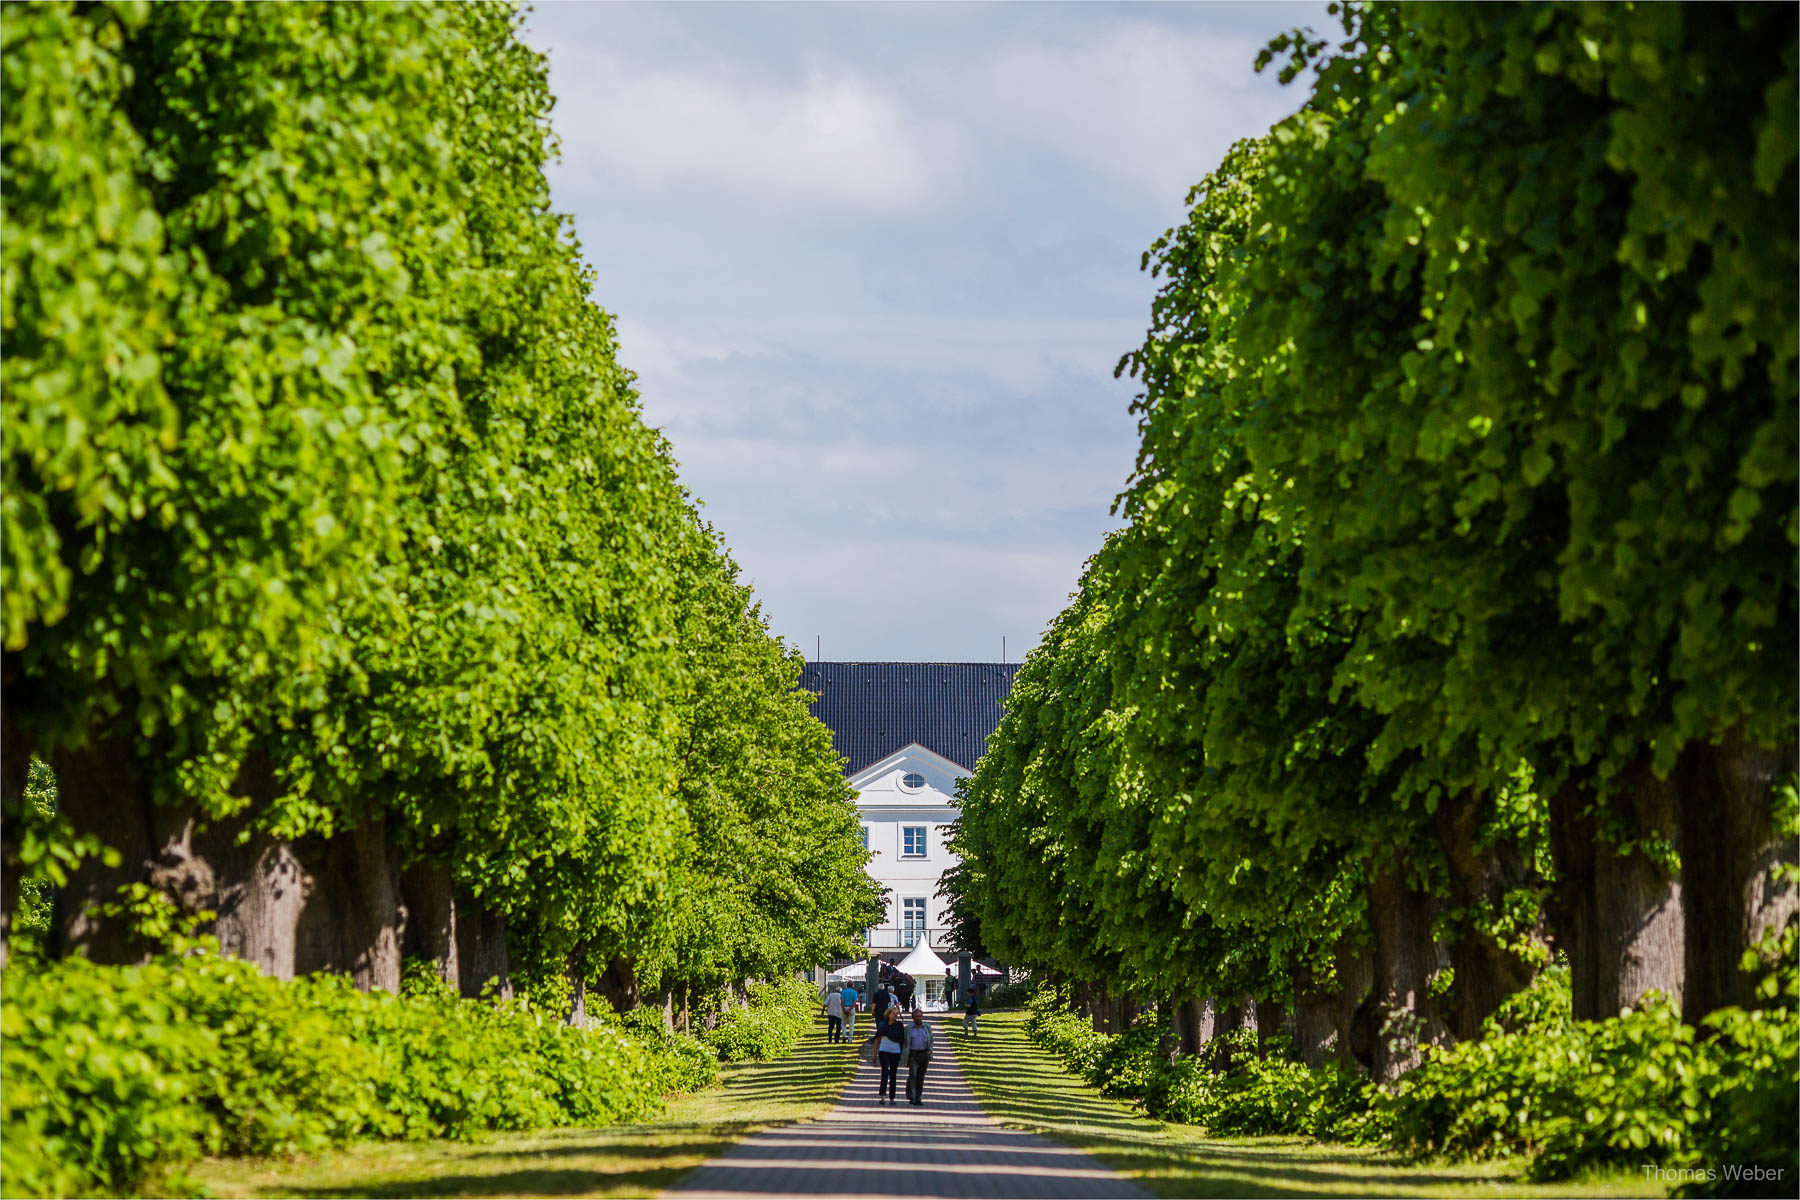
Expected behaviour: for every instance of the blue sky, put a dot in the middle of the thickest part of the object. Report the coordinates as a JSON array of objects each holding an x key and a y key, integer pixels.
[{"x": 874, "y": 266}]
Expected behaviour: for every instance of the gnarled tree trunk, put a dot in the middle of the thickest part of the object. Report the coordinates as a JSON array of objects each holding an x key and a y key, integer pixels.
[
  {"x": 1404, "y": 960},
  {"x": 618, "y": 985},
  {"x": 101, "y": 791},
  {"x": 1486, "y": 971},
  {"x": 431, "y": 933},
  {"x": 1353, "y": 1009},
  {"x": 260, "y": 890},
  {"x": 481, "y": 953},
  {"x": 1194, "y": 1023},
  {"x": 1271, "y": 1022},
  {"x": 1729, "y": 852},
  {"x": 353, "y": 920},
  {"x": 1618, "y": 917},
  {"x": 578, "y": 1014},
  {"x": 15, "y": 769}
]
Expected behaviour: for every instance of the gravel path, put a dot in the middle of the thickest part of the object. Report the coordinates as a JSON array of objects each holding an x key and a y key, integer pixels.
[{"x": 949, "y": 1147}]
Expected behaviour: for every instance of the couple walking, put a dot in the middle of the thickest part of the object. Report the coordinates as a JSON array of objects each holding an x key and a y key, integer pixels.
[
  {"x": 840, "y": 1014},
  {"x": 898, "y": 1044}
]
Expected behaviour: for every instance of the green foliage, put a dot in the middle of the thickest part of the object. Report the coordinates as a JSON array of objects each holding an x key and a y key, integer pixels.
[
  {"x": 111, "y": 1072},
  {"x": 1463, "y": 513},
  {"x": 689, "y": 1065},
  {"x": 1564, "y": 1096},
  {"x": 1012, "y": 995},
  {"x": 1260, "y": 1091},
  {"x": 776, "y": 1017},
  {"x": 1569, "y": 1096}
]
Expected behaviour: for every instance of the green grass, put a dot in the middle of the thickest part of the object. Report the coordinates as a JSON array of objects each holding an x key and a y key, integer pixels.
[
  {"x": 623, "y": 1160},
  {"x": 1022, "y": 1086}
]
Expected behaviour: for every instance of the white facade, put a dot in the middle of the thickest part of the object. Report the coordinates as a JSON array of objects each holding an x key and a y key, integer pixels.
[{"x": 906, "y": 801}]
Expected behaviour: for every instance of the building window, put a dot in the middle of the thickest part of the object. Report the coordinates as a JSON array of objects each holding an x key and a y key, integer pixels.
[
  {"x": 912, "y": 844},
  {"x": 912, "y": 920},
  {"x": 865, "y": 837},
  {"x": 912, "y": 781}
]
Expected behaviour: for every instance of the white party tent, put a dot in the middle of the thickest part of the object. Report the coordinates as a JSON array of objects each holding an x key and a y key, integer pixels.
[{"x": 922, "y": 963}]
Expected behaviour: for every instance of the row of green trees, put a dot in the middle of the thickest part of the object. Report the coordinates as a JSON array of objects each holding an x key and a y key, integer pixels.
[
  {"x": 346, "y": 592},
  {"x": 1453, "y": 622}
]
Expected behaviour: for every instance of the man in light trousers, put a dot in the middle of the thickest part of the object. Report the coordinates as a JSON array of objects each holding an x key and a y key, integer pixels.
[{"x": 850, "y": 999}]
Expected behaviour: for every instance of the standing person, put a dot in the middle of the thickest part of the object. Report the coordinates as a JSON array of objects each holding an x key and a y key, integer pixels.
[
  {"x": 905, "y": 993},
  {"x": 850, "y": 999},
  {"x": 949, "y": 989},
  {"x": 878, "y": 1004},
  {"x": 889, "y": 1048},
  {"x": 918, "y": 1057},
  {"x": 971, "y": 1013},
  {"x": 834, "y": 1015}
]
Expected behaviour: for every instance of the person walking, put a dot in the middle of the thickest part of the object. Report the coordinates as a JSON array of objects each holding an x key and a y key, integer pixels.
[
  {"x": 918, "y": 1057},
  {"x": 850, "y": 1000},
  {"x": 971, "y": 1014},
  {"x": 889, "y": 1048},
  {"x": 834, "y": 1015}
]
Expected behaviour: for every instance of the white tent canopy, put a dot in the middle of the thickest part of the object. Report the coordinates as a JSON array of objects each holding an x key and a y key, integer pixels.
[{"x": 921, "y": 962}]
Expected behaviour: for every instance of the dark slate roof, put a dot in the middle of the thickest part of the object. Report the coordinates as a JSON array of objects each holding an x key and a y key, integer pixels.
[{"x": 875, "y": 708}]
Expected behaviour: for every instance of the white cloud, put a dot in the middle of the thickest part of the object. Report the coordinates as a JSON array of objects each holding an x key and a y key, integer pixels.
[
  {"x": 827, "y": 138},
  {"x": 1146, "y": 103}
]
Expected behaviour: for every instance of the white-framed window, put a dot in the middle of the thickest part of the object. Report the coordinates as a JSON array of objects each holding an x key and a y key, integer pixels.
[
  {"x": 912, "y": 841},
  {"x": 912, "y": 781},
  {"x": 912, "y": 920}
]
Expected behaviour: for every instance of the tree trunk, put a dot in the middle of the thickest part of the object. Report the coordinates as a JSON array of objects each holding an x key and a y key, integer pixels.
[
  {"x": 481, "y": 955},
  {"x": 1194, "y": 1019},
  {"x": 578, "y": 1015},
  {"x": 1486, "y": 972},
  {"x": 1729, "y": 852},
  {"x": 1353, "y": 1011},
  {"x": 15, "y": 771},
  {"x": 687, "y": 1015},
  {"x": 101, "y": 791},
  {"x": 431, "y": 932},
  {"x": 1618, "y": 917},
  {"x": 260, "y": 892},
  {"x": 1315, "y": 1028},
  {"x": 1271, "y": 1022},
  {"x": 618, "y": 985},
  {"x": 1169, "y": 1014},
  {"x": 353, "y": 920},
  {"x": 1228, "y": 1018},
  {"x": 1404, "y": 960}
]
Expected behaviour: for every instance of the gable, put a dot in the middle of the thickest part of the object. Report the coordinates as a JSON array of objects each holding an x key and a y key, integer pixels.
[{"x": 884, "y": 782}]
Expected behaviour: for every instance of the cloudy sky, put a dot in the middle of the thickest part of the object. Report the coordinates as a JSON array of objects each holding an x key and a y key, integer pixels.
[{"x": 874, "y": 266}]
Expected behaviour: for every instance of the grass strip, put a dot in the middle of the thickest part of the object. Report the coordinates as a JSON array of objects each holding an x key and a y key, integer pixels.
[
  {"x": 1023, "y": 1086},
  {"x": 622, "y": 1160}
]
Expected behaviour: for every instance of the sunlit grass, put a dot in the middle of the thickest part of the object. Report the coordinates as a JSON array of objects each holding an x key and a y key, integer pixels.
[
  {"x": 1022, "y": 1086},
  {"x": 625, "y": 1160}
]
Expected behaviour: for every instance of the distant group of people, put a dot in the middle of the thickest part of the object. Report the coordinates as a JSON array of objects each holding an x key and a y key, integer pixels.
[{"x": 896, "y": 1043}]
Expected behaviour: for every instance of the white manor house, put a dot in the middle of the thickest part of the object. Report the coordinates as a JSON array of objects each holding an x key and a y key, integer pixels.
[{"x": 907, "y": 732}]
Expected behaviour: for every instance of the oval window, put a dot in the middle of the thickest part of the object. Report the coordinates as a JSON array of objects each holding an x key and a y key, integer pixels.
[{"x": 912, "y": 781}]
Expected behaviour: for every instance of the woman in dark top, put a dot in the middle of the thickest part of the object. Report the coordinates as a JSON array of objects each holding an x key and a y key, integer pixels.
[{"x": 891, "y": 1032}]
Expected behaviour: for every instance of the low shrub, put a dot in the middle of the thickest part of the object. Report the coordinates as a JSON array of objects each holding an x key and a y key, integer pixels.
[
  {"x": 1010, "y": 995},
  {"x": 110, "y": 1073},
  {"x": 771, "y": 1024},
  {"x": 1563, "y": 1096},
  {"x": 687, "y": 1064},
  {"x": 1569, "y": 1096}
]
